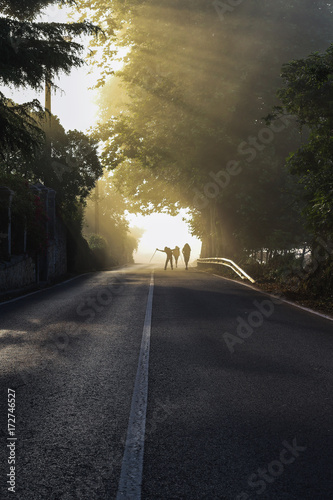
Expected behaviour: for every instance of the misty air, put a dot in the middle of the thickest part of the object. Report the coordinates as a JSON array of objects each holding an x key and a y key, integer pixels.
[{"x": 166, "y": 243}]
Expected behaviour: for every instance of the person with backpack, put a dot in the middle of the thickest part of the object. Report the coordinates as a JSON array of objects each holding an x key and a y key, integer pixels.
[
  {"x": 176, "y": 254},
  {"x": 186, "y": 253}
]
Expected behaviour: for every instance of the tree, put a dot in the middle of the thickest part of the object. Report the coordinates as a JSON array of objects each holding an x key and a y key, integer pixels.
[
  {"x": 197, "y": 87},
  {"x": 114, "y": 227},
  {"x": 308, "y": 94},
  {"x": 31, "y": 53},
  {"x": 71, "y": 166}
]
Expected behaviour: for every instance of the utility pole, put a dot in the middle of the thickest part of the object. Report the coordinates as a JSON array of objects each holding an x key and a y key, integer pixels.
[
  {"x": 97, "y": 208},
  {"x": 48, "y": 115},
  {"x": 47, "y": 94}
]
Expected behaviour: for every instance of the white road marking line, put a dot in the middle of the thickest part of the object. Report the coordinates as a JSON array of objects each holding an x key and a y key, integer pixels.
[{"x": 131, "y": 470}]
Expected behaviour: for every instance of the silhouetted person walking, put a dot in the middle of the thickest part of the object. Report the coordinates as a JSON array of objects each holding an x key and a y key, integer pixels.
[
  {"x": 176, "y": 254},
  {"x": 168, "y": 252},
  {"x": 186, "y": 252}
]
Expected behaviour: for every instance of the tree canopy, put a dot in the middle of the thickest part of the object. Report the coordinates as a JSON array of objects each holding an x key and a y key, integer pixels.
[
  {"x": 197, "y": 82},
  {"x": 308, "y": 94},
  {"x": 70, "y": 165},
  {"x": 31, "y": 53}
]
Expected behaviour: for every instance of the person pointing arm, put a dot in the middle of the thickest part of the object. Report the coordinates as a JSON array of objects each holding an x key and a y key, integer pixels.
[{"x": 168, "y": 252}]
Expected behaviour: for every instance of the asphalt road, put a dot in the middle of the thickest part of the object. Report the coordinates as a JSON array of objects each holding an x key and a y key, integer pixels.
[{"x": 239, "y": 391}]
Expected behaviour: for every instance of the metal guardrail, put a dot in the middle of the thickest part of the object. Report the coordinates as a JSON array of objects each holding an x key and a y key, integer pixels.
[{"x": 228, "y": 263}]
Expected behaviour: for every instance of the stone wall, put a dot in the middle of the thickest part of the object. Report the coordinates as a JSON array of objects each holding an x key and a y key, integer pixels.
[{"x": 18, "y": 273}]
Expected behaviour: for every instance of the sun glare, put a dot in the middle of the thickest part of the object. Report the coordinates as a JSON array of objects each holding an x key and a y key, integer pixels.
[{"x": 162, "y": 230}]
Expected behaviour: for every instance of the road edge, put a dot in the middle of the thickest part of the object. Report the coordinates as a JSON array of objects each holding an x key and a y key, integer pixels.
[{"x": 275, "y": 297}]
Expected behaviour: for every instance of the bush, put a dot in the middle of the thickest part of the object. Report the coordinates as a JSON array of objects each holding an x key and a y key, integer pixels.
[
  {"x": 80, "y": 258},
  {"x": 101, "y": 252}
]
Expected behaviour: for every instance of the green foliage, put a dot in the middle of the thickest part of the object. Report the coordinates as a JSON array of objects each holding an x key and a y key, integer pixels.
[
  {"x": 308, "y": 90},
  {"x": 308, "y": 94},
  {"x": 66, "y": 162},
  {"x": 194, "y": 88},
  {"x": 96, "y": 241},
  {"x": 100, "y": 250},
  {"x": 107, "y": 206},
  {"x": 80, "y": 257},
  {"x": 23, "y": 200},
  {"x": 20, "y": 132},
  {"x": 31, "y": 53},
  {"x": 26, "y": 9},
  {"x": 74, "y": 165}
]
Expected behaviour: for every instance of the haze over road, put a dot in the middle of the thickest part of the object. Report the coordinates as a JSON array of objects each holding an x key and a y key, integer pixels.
[{"x": 225, "y": 419}]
